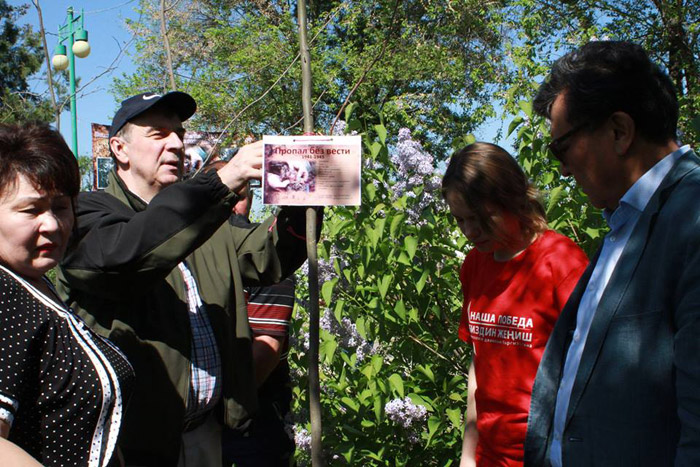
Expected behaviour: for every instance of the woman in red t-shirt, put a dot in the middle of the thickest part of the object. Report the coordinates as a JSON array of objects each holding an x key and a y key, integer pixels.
[{"x": 515, "y": 282}]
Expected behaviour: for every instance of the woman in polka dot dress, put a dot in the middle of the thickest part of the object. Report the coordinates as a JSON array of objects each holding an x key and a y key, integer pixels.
[{"x": 62, "y": 387}]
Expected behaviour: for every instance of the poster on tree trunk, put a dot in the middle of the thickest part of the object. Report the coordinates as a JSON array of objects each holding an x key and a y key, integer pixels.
[{"x": 312, "y": 170}]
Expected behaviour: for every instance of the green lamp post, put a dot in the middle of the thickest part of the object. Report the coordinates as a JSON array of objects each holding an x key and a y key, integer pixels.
[{"x": 78, "y": 47}]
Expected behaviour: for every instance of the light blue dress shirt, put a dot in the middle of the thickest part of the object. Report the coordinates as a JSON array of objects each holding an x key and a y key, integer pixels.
[{"x": 621, "y": 222}]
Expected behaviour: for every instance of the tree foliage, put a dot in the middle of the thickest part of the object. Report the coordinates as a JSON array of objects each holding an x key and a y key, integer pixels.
[
  {"x": 423, "y": 65},
  {"x": 22, "y": 55}
]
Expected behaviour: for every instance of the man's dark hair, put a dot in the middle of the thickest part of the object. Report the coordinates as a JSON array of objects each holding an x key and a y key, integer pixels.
[
  {"x": 40, "y": 153},
  {"x": 603, "y": 77}
]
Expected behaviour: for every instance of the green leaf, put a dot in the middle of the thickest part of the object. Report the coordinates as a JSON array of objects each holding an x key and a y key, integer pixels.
[
  {"x": 434, "y": 423},
  {"x": 381, "y": 132},
  {"x": 404, "y": 259},
  {"x": 421, "y": 282},
  {"x": 455, "y": 416},
  {"x": 396, "y": 222},
  {"x": 411, "y": 244},
  {"x": 338, "y": 311},
  {"x": 396, "y": 384},
  {"x": 425, "y": 369},
  {"x": 348, "y": 110},
  {"x": 593, "y": 233},
  {"x": 372, "y": 235},
  {"x": 351, "y": 403},
  {"x": 554, "y": 196},
  {"x": 400, "y": 309},
  {"x": 360, "y": 326},
  {"x": 371, "y": 191},
  {"x": 377, "y": 362},
  {"x": 375, "y": 148},
  {"x": 384, "y": 285},
  {"x": 379, "y": 224},
  {"x": 327, "y": 290},
  {"x": 514, "y": 124},
  {"x": 327, "y": 350},
  {"x": 378, "y": 408},
  {"x": 526, "y": 107}
]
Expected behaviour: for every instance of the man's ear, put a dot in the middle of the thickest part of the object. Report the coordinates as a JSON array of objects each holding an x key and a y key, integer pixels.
[
  {"x": 119, "y": 149},
  {"x": 624, "y": 130}
]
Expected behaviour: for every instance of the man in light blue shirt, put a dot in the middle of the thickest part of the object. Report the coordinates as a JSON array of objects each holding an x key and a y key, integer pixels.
[{"x": 619, "y": 382}]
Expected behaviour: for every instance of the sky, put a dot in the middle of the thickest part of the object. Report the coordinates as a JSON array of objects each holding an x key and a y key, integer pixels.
[{"x": 111, "y": 57}]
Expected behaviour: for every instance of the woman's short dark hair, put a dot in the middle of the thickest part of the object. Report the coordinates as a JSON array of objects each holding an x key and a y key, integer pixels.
[
  {"x": 40, "y": 153},
  {"x": 603, "y": 77},
  {"x": 484, "y": 175}
]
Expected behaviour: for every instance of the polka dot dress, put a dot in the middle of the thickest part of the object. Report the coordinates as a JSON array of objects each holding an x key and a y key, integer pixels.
[{"x": 62, "y": 387}]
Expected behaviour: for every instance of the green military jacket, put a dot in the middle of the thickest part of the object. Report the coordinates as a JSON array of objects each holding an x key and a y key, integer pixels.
[{"x": 120, "y": 274}]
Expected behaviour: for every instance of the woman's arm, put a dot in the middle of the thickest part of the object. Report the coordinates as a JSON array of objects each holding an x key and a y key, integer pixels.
[
  {"x": 10, "y": 453},
  {"x": 471, "y": 436}
]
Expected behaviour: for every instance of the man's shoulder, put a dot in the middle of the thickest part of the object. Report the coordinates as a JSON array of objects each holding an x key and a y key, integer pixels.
[
  {"x": 96, "y": 197},
  {"x": 89, "y": 201}
]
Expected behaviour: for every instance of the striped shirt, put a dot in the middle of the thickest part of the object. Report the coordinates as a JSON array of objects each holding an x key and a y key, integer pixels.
[{"x": 270, "y": 311}]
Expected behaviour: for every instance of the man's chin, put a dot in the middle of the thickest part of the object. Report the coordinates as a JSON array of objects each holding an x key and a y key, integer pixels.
[{"x": 168, "y": 179}]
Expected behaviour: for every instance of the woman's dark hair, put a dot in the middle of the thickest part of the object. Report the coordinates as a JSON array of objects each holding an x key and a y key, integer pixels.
[
  {"x": 603, "y": 77},
  {"x": 40, "y": 153},
  {"x": 484, "y": 175}
]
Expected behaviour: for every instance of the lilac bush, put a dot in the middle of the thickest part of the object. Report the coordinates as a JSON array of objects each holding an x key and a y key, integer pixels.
[{"x": 393, "y": 373}]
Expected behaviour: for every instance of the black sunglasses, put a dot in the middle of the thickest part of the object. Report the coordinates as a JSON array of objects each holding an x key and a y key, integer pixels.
[{"x": 555, "y": 146}]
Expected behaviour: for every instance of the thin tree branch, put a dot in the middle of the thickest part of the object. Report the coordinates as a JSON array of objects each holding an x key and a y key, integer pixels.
[
  {"x": 49, "y": 75},
  {"x": 166, "y": 43}
]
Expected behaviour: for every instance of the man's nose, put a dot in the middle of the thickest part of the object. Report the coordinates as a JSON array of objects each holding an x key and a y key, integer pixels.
[{"x": 175, "y": 142}]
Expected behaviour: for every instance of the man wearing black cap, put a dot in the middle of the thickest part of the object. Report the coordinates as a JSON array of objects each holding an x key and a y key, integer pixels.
[{"x": 154, "y": 266}]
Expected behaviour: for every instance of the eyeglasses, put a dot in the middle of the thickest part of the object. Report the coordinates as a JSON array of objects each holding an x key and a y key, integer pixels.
[{"x": 555, "y": 146}]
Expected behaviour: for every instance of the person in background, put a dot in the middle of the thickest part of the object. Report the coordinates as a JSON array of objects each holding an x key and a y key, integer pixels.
[
  {"x": 155, "y": 266},
  {"x": 619, "y": 382},
  {"x": 515, "y": 282},
  {"x": 194, "y": 159},
  {"x": 265, "y": 440},
  {"x": 63, "y": 388}
]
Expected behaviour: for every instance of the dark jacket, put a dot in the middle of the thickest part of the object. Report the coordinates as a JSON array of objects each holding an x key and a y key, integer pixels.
[
  {"x": 120, "y": 274},
  {"x": 636, "y": 396}
]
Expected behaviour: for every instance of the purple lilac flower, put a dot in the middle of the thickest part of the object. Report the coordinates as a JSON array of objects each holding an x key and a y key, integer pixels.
[
  {"x": 347, "y": 335},
  {"x": 404, "y": 412},
  {"x": 415, "y": 168},
  {"x": 339, "y": 128},
  {"x": 326, "y": 270},
  {"x": 302, "y": 438}
]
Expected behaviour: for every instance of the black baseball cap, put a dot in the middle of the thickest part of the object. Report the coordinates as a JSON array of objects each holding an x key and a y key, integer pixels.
[{"x": 181, "y": 103}]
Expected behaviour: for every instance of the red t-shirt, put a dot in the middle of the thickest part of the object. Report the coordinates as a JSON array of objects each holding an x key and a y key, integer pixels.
[{"x": 509, "y": 311}]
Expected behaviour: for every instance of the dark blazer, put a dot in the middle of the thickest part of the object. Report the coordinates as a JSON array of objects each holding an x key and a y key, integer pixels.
[{"x": 636, "y": 397}]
